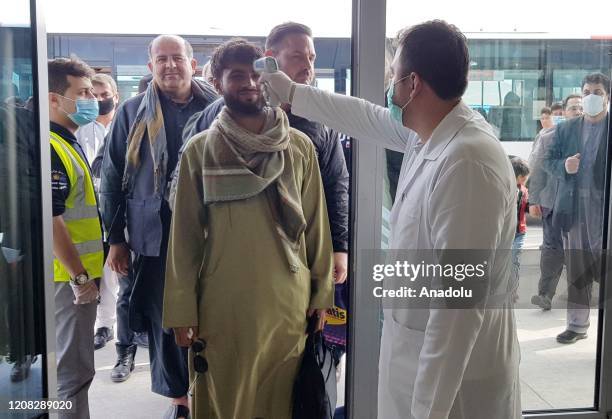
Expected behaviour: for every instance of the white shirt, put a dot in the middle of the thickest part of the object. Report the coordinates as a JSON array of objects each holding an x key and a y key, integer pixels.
[{"x": 91, "y": 137}]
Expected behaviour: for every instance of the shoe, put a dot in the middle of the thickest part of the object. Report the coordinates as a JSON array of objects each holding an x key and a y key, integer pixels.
[
  {"x": 177, "y": 411},
  {"x": 141, "y": 339},
  {"x": 21, "y": 370},
  {"x": 103, "y": 335},
  {"x": 541, "y": 301},
  {"x": 125, "y": 363},
  {"x": 570, "y": 337}
]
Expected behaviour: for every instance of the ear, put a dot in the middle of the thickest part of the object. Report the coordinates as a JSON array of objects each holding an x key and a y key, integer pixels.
[
  {"x": 150, "y": 66},
  {"x": 417, "y": 83},
  {"x": 217, "y": 85},
  {"x": 194, "y": 65},
  {"x": 269, "y": 53},
  {"x": 53, "y": 100}
]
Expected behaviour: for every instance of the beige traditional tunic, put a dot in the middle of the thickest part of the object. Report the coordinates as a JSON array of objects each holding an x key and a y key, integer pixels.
[{"x": 227, "y": 273}]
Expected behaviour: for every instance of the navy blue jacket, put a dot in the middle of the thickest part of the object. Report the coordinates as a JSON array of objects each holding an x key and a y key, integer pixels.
[{"x": 135, "y": 208}]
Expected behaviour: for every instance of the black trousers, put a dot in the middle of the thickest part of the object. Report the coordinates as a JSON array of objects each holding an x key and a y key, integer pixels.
[
  {"x": 169, "y": 371},
  {"x": 125, "y": 335},
  {"x": 552, "y": 255}
]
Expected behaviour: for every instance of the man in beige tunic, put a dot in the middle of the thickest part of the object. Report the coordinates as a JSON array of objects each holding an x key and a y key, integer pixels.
[{"x": 250, "y": 254}]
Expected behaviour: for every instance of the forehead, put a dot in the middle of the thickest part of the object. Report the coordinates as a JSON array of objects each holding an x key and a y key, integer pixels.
[
  {"x": 100, "y": 87},
  {"x": 593, "y": 87},
  {"x": 168, "y": 46},
  {"x": 235, "y": 67},
  {"x": 297, "y": 42},
  {"x": 574, "y": 101},
  {"x": 396, "y": 66},
  {"x": 78, "y": 83}
]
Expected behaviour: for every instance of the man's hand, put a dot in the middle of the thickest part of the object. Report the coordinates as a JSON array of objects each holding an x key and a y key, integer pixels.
[
  {"x": 320, "y": 313},
  {"x": 184, "y": 336},
  {"x": 572, "y": 164},
  {"x": 278, "y": 86},
  {"x": 535, "y": 211},
  {"x": 340, "y": 267},
  {"x": 119, "y": 258},
  {"x": 86, "y": 293}
]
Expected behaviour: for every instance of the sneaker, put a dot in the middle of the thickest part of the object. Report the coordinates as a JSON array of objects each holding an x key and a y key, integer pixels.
[
  {"x": 541, "y": 301},
  {"x": 570, "y": 337},
  {"x": 103, "y": 335}
]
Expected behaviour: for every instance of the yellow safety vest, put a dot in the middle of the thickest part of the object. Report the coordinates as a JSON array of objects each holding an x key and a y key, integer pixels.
[{"x": 81, "y": 215}]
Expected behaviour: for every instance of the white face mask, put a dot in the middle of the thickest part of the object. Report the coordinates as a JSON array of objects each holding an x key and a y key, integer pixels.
[{"x": 592, "y": 104}]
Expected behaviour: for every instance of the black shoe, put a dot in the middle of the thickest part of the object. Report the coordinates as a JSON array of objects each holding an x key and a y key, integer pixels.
[
  {"x": 141, "y": 339},
  {"x": 103, "y": 335},
  {"x": 125, "y": 363},
  {"x": 570, "y": 337},
  {"x": 21, "y": 370},
  {"x": 541, "y": 301}
]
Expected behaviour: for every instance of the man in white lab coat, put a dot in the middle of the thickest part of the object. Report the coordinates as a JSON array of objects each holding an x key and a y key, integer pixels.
[{"x": 456, "y": 191}]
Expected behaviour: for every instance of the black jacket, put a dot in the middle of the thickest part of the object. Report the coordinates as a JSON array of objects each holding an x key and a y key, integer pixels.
[{"x": 331, "y": 163}]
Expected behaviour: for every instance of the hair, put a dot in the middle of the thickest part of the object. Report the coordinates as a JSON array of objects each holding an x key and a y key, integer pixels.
[
  {"x": 438, "y": 53},
  {"x": 545, "y": 111},
  {"x": 572, "y": 96},
  {"x": 520, "y": 166},
  {"x": 188, "y": 47},
  {"x": 59, "y": 70},
  {"x": 101, "y": 78},
  {"x": 234, "y": 51},
  {"x": 597, "y": 78},
  {"x": 280, "y": 32},
  {"x": 556, "y": 107}
]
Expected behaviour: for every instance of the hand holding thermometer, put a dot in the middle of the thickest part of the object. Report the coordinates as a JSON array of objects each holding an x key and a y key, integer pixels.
[{"x": 267, "y": 65}]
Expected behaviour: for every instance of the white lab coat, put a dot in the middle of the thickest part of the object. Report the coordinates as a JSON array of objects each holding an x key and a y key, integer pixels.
[{"x": 457, "y": 192}]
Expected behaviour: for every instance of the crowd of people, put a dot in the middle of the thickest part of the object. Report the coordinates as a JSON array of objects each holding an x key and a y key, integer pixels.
[{"x": 212, "y": 228}]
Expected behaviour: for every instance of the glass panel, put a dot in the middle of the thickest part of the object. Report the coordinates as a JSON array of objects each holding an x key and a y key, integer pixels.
[
  {"x": 520, "y": 65},
  {"x": 21, "y": 299}
]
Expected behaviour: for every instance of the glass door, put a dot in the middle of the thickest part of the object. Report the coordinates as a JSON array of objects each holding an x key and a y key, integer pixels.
[
  {"x": 23, "y": 277},
  {"x": 532, "y": 68}
]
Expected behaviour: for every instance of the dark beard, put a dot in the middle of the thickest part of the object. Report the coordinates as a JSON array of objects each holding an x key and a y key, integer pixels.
[{"x": 241, "y": 108}]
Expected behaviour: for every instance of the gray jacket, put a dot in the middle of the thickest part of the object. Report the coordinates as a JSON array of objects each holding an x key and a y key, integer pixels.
[{"x": 542, "y": 186}]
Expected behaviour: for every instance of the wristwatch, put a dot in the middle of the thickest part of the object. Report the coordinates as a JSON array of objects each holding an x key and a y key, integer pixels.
[{"x": 80, "y": 279}]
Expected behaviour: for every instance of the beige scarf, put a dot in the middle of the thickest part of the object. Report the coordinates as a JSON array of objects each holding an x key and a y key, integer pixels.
[{"x": 238, "y": 164}]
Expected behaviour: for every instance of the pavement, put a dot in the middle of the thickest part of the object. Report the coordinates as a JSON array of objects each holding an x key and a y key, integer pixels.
[{"x": 553, "y": 376}]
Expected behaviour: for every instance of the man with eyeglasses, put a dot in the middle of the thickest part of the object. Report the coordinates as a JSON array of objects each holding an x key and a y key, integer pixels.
[
  {"x": 142, "y": 152},
  {"x": 542, "y": 192},
  {"x": 577, "y": 159}
]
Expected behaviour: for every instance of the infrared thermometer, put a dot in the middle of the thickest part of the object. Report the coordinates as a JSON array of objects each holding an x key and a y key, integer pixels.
[{"x": 267, "y": 65}]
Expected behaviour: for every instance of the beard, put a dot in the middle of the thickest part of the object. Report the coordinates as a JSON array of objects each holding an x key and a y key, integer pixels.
[{"x": 244, "y": 108}]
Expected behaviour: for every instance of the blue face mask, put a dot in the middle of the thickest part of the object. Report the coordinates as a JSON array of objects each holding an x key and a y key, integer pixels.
[
  {"x": 397, "y": 112},
  {"x": 557, "y": 119},
  {"x": 86, "y": 111}
]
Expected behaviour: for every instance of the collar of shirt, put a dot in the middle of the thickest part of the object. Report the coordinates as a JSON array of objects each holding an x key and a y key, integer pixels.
[
  {"x": 167, "y": 99},
  {"x": 63, "y": 132}
]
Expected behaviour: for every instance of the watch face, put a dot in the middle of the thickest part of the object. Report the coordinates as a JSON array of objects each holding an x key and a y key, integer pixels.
[{"x": 81, "y": 279}]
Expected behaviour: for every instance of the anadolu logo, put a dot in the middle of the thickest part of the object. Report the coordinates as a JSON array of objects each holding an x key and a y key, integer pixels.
[{"x": 336, "y": 316}]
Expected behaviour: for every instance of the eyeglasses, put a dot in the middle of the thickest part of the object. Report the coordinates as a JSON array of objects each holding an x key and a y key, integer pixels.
[{"x": 200, "y": 365}]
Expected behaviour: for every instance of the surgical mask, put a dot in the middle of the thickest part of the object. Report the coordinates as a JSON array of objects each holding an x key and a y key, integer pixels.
[
  {"x": 106, "y": 106},
  {"x": 556, "y": 119},
  {"x": 86, "y": 111},
  {"x": 396, "y": 111},
  {"x": 592, "y": 104}
]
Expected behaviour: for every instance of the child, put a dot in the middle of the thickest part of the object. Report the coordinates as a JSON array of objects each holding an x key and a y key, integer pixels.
[{"x": 521, "y": 171}]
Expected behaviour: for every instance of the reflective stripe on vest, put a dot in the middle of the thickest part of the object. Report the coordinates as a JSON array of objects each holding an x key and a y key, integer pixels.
[{"x": 81, "y": 213}]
